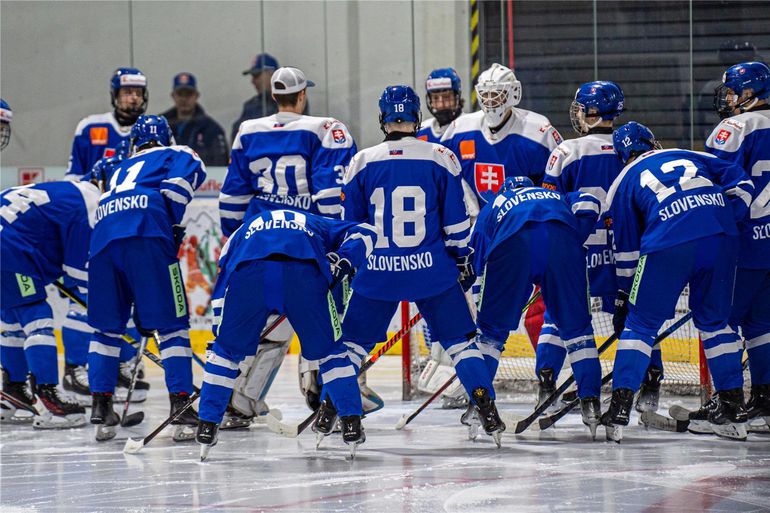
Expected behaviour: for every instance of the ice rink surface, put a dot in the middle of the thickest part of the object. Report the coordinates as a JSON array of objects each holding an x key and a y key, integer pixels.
[{"x": 429, "y": 467}]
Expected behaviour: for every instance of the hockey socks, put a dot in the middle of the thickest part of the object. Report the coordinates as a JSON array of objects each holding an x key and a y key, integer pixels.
[
  {"x": 584, "y": 359},
  {"x": 471, "y": 366},
  {"x": 724, "y": 351}
]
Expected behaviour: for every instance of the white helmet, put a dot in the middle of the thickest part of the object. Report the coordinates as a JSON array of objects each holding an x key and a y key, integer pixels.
[{"x": 497, "y": 91}]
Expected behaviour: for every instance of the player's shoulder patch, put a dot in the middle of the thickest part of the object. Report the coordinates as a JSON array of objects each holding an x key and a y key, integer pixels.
[{"x": 539, "y": 128}]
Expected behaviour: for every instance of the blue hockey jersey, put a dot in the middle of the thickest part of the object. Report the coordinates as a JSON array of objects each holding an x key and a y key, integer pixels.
[
  {"x": 96, "y": 136},
  {"x": 668, "y": 197},
  {"x": 148, "y": 194},
  {"x": 511, "y": 210},
  {"x": 589, "y": 164},
  {"x": 285, "y": 161},
  {"x": 520, "y": 148},
  {"x": 296, "y": 234},
  {"x": 411, "y": 191},
  {"x": 430, "y": 131},
  {"x": 745, "y": 140},
  {"x": 46, "y": 229}
]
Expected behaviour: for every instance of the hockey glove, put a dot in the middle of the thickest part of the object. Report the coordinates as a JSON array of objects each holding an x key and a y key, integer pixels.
[
  {"x": 179, "y": 232},
  {"x": 340, "y": 267},
  {"x": 467, "y": 274},
  {"x": 621, "y": 312}
]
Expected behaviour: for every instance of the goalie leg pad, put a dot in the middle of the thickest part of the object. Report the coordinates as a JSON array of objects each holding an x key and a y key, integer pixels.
[
  {"x": 256, "y": 376},
  {"x": 308, "y": 382}
]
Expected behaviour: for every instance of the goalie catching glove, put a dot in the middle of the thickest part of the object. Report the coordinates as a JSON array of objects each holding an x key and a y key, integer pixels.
[{"x": 340, "y": 267}]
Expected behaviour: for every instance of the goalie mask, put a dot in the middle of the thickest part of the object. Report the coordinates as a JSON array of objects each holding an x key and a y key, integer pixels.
[{"x": 498, "y": 92}]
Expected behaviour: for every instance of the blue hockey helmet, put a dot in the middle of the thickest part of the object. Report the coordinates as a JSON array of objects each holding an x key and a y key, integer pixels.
[
  {"x": 746, "y": 75},
  {"x": 129, "y": 77},
  {"x": 603, "y": 100},
  {"x": 439, "y": 81},
  {"x": 399, "y": 104},
  {"x": 6, "y": 114},
  {"x": 632, "y": 139},
  {"x": 149, "y": 129},
  {"x": 102, "y": 170},
  {"x": 516, "y": 182}
]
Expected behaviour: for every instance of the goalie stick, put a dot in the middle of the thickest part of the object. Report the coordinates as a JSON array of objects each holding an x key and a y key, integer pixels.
[
  {"x": 134, "y": 446},
  {"x": 406, "y": 419},
  {"x": 550, "y": 420},
  {"x": 293, "y": 430}
]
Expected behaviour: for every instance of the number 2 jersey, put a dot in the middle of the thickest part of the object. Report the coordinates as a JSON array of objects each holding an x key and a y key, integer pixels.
[
  {"x": 412, "y": 192},
  {"x": 148, "y": 194},
  {"x": 285, "y": 160},
  {"x": 46, "y": 229},
  {"x": 589, "y": 164},
  {"x": 745, "y": 140},
  {"x": 669, "y": 197},
  {"x": 96, "y": 136}
]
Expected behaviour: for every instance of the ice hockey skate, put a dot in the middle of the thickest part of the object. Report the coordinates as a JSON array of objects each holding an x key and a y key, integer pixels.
[
  {"x": 124, "y": 382},
  {"x": 488, "y": 416},
  {"x": 207, "y": 436},
  {"x": 590, "y": 409},
  {"x": 649, "y": 392},
  {"x": 58, "y": 412},
  {"x": 75, "y": 382},
  {"x": 352, "y": 432},
  {"x": 617, "y": 416},
  {"x": 325, "y": 421},
  {"x": 729, "y": 418},
  {"x": 185, "y": 424},
  {"x": 104, "y": 417},
  {"x": 17, "y": 405}
]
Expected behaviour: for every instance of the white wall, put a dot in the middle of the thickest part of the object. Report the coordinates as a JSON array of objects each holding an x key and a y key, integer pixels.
[{"x": 56, "y": 58}]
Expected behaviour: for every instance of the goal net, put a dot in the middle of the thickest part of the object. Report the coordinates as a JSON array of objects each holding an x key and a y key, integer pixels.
[{"x": 684, "y": 371}]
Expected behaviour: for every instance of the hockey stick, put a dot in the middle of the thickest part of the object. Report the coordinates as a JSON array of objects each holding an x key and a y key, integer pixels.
[
  {"x": 293, "y": 431},
  {"x": 549, "y": 420},
  {"x": 523, "y": 424},
  {"x": 406, "y": 419},
  {"x": 134, "y": 374},
  {"x": 134, "y": 446}
]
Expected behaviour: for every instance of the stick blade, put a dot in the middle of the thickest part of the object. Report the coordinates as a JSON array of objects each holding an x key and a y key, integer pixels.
[
  {"x": 655, "y": 420},
  {"x": 133, "y": 419},
  {"x": 133, "y": 446},
  {"x": 401, "y": 424},
  {"x": 519, "y": 422},
  {"x": 276, "y": 426}
]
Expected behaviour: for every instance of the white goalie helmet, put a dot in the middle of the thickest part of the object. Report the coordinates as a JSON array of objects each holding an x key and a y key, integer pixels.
[{"x": 498, "y": 91}]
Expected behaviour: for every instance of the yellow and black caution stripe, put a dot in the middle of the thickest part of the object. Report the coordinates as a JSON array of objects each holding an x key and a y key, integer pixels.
[{"x": 474, "y": 50}]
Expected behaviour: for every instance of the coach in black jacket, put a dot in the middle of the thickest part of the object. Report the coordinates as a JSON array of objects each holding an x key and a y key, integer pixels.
[{"x": 192, "y": 126}]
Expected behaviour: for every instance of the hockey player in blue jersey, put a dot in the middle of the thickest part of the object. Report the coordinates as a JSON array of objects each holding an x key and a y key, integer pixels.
[
  {"x": 99, "y": 135},
  {"x": 529, "y": 235},
  {"x": 76, "y": 334},
  {"x": 674, "y": 218},
  {"x": 585, "y": 164},
  {"x": 286, "y": 160},
  {"x": 444, "y": 98},
  {"x": 284, "y": 262},
  {"x": 134, "y": 261},
  {"x": 745, "y": 139},
  {"x": 411, "y": 191},
  {"x": 501, "y": 140},
  {"x": 45, "y": 233}
]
